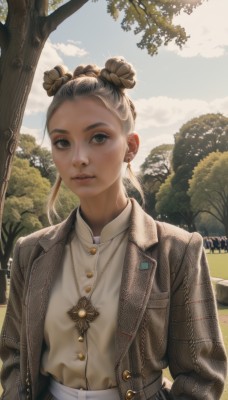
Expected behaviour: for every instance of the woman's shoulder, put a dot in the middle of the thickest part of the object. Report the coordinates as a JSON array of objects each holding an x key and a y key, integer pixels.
[
  {"x": 32, "y": 238},
  {"x": 50, "y": 234},
  {"x": 176, "y": 241},
  {"x": 144, "y": 226},
  {"x": 167, "y": 230}
]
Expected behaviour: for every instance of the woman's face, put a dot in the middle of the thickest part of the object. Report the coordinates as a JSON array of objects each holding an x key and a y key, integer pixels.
[{"x": 88, "y": 147}]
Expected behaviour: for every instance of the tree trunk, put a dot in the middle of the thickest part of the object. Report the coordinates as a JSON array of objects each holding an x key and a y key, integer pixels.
[{"x": 17, "y": 68}]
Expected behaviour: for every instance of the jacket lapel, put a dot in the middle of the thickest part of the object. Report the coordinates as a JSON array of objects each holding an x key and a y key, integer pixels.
[
  {"x": 42, "y": 275},
  {"x": 138, "y": 274}
]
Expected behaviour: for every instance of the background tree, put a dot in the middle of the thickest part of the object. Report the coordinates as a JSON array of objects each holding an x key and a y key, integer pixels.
[
  {"x": 170, "y": 205},
  {"x": 24, "y": 211},
  {"x": 153, "y": 172},
  {"x": 207, "y": 225},
  {"x": 24, "y": 29},
  {"x": 39, "y": 157},
  {"x": 24, "y": 206},
  {"x": 209, "y": 187},
  {"x": 195, "y": 140}
]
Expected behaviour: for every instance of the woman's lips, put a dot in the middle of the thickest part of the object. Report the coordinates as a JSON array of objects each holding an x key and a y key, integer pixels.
[{"x": 83, "y": 177}]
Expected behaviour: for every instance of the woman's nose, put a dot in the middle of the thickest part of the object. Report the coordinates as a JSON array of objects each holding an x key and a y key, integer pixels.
[{"x": 80, "y": 156}]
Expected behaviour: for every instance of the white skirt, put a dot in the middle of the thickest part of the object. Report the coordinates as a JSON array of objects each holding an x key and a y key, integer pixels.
[{"x": 61, "y": 392}]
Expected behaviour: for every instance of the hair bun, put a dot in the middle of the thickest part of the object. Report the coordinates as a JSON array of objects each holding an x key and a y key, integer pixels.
[
  {"x": 55, "y": 78},
  {"x": 119, "y": 72},
  {"x": 86, "y": 70}
]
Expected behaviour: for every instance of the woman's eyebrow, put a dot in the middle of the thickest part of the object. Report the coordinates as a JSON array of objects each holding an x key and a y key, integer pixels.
[
  {"x": 56, "y": 130},
  {"x": 96, "y": 125},
  {"x": 88, "y": 128}
]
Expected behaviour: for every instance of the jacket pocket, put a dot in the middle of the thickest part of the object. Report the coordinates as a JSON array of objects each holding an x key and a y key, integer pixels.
[
  {"x": 155, "y": 326},
  {"x": 158, "y": 300}
]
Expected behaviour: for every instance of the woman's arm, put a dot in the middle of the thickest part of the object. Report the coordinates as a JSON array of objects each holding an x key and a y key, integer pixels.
[
  {"x": 197, "y": 358},
  {"x": 10, "y": 335}
]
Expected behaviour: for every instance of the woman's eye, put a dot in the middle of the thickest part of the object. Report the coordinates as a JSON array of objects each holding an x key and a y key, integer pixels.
[
  {"x": 61, "y": 143},
  {"x": 99, "y": 138}
]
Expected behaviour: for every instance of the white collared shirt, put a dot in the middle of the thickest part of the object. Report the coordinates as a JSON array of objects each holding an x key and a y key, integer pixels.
[{"x": 94, "y": 271}]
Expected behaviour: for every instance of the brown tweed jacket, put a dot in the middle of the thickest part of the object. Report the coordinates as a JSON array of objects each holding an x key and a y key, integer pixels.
[{"x": 167, "y": 314}]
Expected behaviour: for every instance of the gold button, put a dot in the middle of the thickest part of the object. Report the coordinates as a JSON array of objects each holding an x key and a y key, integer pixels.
[
  {"x": 130, "y": 394},
  {"x": 81, "y": 339},
  {"x": 89, "y": 274},
  {"x": 88, "y": 289},
  {"x": 81, "y": 356},
  {"x": 126, "y": 375},
  {"x": 93, "y": 251},
  {"x": 82, "y": 313}
]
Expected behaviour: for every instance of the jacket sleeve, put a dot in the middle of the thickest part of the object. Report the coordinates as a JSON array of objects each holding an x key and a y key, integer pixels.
[
  {"x": 10, "y": 336},
  {"x": 197, "y": 358}
]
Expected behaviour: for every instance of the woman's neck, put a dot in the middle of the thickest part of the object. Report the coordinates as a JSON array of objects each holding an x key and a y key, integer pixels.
[{"x": 97, "y": 213}]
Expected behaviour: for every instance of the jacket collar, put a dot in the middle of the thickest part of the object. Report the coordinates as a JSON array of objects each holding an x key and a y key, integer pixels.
[
  {"x": 140, "y": 224},
  {"x": 143, "y": 230},
  {"x": 58, "y": 233}
]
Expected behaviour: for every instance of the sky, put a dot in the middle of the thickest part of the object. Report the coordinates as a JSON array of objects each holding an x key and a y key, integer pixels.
[{"x": 172, "y": 87}]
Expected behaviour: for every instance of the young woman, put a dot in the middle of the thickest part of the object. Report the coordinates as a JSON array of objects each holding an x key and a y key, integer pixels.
[{"x": 100, "y": 304}]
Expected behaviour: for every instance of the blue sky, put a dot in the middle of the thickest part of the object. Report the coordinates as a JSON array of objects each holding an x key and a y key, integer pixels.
[{"x": 172, "y": 87}]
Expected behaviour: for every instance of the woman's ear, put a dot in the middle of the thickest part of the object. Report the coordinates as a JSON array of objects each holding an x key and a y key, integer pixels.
[{"x": 132, "y": 146}]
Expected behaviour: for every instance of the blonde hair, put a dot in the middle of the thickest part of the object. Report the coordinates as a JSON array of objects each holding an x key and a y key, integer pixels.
[{"x": 107, "y": 84}]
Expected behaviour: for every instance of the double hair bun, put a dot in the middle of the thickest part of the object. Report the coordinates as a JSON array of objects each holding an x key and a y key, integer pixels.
[{"x": 117, "y": 71}]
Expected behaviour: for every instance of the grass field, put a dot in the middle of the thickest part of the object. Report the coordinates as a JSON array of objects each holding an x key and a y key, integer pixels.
[{"x": 218, "y": 264}]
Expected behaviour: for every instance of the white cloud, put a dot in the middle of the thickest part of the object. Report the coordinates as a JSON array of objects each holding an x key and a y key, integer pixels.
[
  {"x": 163, "y": 111},
  {"x": 208, "y": 30},
  {"x": 70, "y": 49},
  {"x": 159, "y": 118}
]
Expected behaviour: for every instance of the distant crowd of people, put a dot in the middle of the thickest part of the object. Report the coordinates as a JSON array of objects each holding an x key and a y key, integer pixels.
[{"x": 216, "y": 243}]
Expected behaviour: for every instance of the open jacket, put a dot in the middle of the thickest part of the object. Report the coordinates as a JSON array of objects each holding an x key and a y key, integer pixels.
[{"x": 167, "y": 314}]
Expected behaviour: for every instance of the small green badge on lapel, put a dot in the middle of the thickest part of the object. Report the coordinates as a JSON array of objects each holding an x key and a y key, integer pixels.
[{"x": 144, "y": 265}]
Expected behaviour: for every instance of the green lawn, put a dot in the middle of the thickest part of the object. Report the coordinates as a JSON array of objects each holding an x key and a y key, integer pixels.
[{"x": 218, "y": 264}]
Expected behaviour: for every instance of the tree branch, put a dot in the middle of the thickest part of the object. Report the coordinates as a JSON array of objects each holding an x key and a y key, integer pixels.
[
  {"x": 214, "y": 215},
  {"x": 51, "y": 22},
  {"x": 215, "y": 205}
]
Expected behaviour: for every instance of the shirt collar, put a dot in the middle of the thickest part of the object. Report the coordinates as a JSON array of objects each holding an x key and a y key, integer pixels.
[{"x": 111, "y": 230}]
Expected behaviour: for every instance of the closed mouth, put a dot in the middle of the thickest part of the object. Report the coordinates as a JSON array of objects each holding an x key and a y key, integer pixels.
[{"x": 83, "y": 177}]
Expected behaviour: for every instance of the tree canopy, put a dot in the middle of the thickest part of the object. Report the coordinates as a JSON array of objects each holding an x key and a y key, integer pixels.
[
  {"x": 208, "y": 187},
  {"x": 153, "y": 172},
  {"x": 199, "y": 137},
  {"x": 194, "y": 141},
  {"x": 153, "y": 20},
  {"x": 157, "y": 165},
  {"x": 39, "y": 157},
  {"x": 24, "y": 210}
]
